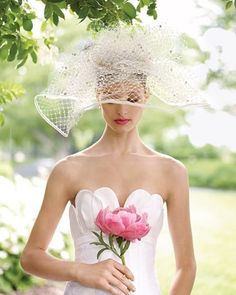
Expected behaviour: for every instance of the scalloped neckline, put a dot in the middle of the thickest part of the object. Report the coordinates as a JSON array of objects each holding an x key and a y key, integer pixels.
[{"x": 115, "y": 195}]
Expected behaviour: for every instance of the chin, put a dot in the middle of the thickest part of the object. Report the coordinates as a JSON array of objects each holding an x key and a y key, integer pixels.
[{"x": 122, "y": 128}]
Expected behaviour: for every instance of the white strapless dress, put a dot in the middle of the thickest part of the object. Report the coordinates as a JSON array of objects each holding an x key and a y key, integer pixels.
[{"x": 140, "y": 256}]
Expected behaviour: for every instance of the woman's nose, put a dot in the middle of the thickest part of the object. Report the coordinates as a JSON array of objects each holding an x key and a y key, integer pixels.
[{"x": 121, "y": 109}]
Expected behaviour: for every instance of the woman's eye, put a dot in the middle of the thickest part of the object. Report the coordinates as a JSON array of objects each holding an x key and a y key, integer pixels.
[{"x": 132, "y": 99}]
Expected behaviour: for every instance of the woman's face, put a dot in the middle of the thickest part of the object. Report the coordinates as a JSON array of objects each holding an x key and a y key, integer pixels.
[{"x": 130, "y": 114}]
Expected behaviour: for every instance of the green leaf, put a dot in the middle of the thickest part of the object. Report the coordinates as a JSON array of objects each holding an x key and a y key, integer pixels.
[
  {"x": 82, "y": 20},
  {"x": 138, "y": 20},
  {"x": 55, "y": 1},
  {"x": 14, "y": 7},
  {"x": 12, "y": 53},
  {"x": 4, "y": 52},
  {"x": 2, "y": 119},
  {"x": 3, "y": 99},
  {"x": 118, "y": 2},
  {"x": 9, "y": 37},
  {"x": 235, "y": 3},
  {"x": 43, "y": 26},
  {"x": 138, "y": 8},
  {"x": 95, "y": 243},
  {"x": 55, "y": 19},
  {"x": 125, "y": 247},
  {"x": 75, "y": 7},
  {"x": 22, "y": 62},
  {"x": 228, "y": 4},
  {"x": 100, "y": 252},
  {"x": 27, "y": 24},
  {"x": 22, "y": 53},
  {"x": 48, "y": 10},
  {"x": 150, "y": 12},
  {"x": 12, "y": 27},
  {"x": 34, "y": 56},
  {"x": 119, "y": 240},
  {"x": 58, "y": 11},
  {"x": 17, "y": 26},
  {"x": 100, "y": 238},
  {"x": 83, "y": 12},
  {"x": 129, "y": 9},
  {"x": 97, "y": 234},
  {"x": 154, "y": 14},
  {"x": 141, "y": 3},
  {"x": 96, "y": 13},
  {"x": 146, "y": 2}
]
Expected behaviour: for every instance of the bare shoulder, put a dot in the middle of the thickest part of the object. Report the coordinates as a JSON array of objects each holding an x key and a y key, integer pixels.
[
  {"x": 65, "y": 171},
  {"x": 63, "y": 168},
  {"x": 174, "y": 166},
  {"x": 167, "y": 163},
  {"x": 174, "y": 172},
  {"x": 170, "y": 164},
  {"x": 69, "y": 163}
]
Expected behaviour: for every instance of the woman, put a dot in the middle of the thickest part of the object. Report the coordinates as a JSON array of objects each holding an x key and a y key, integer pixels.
[{"x": 118, "y": 170}]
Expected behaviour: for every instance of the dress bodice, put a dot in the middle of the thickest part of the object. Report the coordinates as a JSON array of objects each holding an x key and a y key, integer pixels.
[{"x": 140, "y": 256}]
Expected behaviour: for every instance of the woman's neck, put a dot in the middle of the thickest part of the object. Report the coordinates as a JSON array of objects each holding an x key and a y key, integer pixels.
[{"x": 120, "y": 143}]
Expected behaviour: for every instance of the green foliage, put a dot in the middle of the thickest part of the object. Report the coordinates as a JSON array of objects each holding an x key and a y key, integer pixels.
[
  {"x": 12, "y": 242},
  {"x": 182, "y": 149},
  {"x": 230, "y": 3},
  {"x": 8, "y": 92},
  {"x": 18, "y": 44},
  {"x": 12, "y": 277},
  {"x": 17, "y": 23},
  {"x": 15, "y": 44},
  {"x": 207, "y": 166},
  {"x": 213, "y": 173}
]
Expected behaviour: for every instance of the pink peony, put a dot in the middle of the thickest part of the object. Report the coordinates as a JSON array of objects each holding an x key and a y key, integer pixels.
[
  {"x": 123, "y": 222},
  {"x": 123, "y": 225}
]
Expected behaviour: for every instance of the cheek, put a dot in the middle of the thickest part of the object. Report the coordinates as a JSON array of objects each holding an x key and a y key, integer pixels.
[
  {"x": 136, "y": 113},
  {"x": 107, "y": 112}
]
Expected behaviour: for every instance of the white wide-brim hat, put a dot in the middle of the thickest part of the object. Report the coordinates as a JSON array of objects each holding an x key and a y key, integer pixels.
[{"x": 115, "y": 63}]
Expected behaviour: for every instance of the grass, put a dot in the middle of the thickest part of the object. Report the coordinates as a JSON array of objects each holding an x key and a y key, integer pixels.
[{"x": 214, "y": 228}]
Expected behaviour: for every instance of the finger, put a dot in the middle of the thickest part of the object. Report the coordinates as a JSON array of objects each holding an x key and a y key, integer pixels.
[
  {"x": 121, "y": 277},
  {"x": 111, "y": 289},
  {"x": 125, "y": 270},
  {"x": 118, "y": 284}
]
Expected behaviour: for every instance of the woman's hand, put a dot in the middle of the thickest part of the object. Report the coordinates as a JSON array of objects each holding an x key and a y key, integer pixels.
[{"x": 108, "y": 275}]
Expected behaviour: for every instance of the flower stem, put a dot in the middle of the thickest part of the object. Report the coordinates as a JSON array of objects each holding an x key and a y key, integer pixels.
[{"x": 123, "y": 259}]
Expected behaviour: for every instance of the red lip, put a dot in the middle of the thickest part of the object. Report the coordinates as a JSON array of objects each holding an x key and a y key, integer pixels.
[{"x": 121, "y": 121}]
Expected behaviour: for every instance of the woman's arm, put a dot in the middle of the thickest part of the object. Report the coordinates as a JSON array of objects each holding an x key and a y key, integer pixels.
[
  {"x": 180, "y": 230},
  {"x": 106, "y": 275},
  {"x": 34, "y": 259}
]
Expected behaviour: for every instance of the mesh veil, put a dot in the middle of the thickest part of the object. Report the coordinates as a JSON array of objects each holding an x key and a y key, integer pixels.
[{"x": 135, "y": 65}]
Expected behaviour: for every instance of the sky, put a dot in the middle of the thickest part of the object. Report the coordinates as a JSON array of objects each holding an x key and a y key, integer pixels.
[{"x": 217, "y": 128}]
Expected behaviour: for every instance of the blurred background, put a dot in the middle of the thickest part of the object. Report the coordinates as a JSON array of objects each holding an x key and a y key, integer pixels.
[{"x": 205, "y": 141}]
